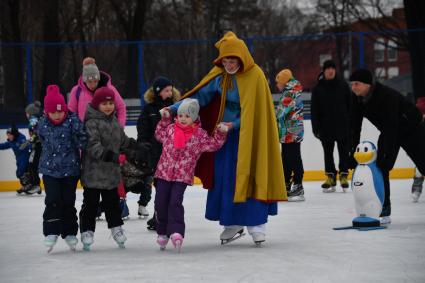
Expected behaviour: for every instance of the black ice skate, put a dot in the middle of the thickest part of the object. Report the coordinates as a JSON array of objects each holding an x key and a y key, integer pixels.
[
  {"x": 297, "y": 193},
  {"x": 230, "y": 234},
  {"x": 151, "y": 223},
  {"x": 417, "y": 187}
]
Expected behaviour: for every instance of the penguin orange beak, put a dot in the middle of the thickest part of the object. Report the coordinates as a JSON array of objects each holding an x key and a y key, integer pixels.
[{"x": 363, "y": 157}]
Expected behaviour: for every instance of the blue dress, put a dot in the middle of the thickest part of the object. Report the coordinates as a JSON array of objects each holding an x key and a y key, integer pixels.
[{"x": 220, "y": 206}]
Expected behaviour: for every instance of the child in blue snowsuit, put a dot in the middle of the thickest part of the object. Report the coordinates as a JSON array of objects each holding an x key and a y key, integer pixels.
[{"x": 15, "y": 140}]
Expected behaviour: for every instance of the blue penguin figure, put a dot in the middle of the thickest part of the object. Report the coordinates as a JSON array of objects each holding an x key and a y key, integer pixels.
[{"x": 367, "y": 184}]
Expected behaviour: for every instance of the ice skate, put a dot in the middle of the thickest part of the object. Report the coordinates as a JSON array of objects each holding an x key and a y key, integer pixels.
[
  {"x": 22, "y": 190},
  {"x": 50, "y": 242},
  {"x": 142, "y": 211},
  {"x": 71, "y": 241},
  {"x": 118, "y": 234},
  {"x": 162, "y": 241},
  {"x": 177, "y": 240},
  {"x": 385, "y": 220},
  {"x": 151, "y": 223},
  {"x": 33, "y": 189},
  {"x": 258, "y": 238},
  {"x": 124, "y": 209},
  {"x": 329, "y": 185},
  {"x": 343, "y": 180},
  {"x": 230, "y": 234},
  {"x": 87, "y": 238},
  {"x": 417, "y": 187},
  {"x": 296, "y": 194}
]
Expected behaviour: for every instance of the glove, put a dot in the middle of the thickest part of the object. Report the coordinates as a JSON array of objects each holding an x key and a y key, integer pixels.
[
  {"x": 25, "y": 144},
  {"x": 121, "y": 159},
  {"x": 110, "y": 156},
  {"x": 223, "y": 128},
  {"x": 164, "y": 112}
]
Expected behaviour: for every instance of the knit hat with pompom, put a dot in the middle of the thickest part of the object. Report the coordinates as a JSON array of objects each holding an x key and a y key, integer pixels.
[
  {"x": 54, "y": 100},
  {"x": 90, "y": 70}
]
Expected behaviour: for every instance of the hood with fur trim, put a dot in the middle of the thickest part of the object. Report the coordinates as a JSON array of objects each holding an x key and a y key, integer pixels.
[{"x": 149, "y": 95}]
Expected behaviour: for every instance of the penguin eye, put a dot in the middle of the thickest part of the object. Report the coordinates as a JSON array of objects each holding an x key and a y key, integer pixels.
[
  {"x": 358, "y": 149},
  {"x": 366, "y": 149}
]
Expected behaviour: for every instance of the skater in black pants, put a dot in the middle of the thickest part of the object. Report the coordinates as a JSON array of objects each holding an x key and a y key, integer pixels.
[
  {"x": 400, "y": 124},
  {"x": 290, "y": 117},
  {"x": 160, "y": 95},
  {"x": 330, "y": 108}
]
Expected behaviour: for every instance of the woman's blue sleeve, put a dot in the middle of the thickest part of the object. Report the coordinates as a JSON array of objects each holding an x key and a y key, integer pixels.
[{"x": 204, "y": 95}]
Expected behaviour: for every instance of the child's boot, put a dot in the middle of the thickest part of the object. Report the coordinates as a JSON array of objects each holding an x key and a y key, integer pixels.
[
  {"x": 71, "y": 241},
  {"x": 177, "y": 240},
  {"x": 417, "y": 187},
  {"x": 87, "y": 238},
  {"x": 50, "y": 242},
  {"x": 118, "y": 235},
  {"x": 162, "y": 241}
]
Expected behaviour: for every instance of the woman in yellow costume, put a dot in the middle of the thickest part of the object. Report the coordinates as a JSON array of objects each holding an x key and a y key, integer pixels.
[{"x": 245, "y": 177}]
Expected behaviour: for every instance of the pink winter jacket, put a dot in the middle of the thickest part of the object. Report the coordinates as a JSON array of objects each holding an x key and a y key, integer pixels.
[
  {"x": 178, "y": 165},
  {"x": 79, "y": 107}
]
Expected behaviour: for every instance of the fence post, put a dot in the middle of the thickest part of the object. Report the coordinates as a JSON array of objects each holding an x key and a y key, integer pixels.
[
  {"x": 142, "y": 83},
  {"x": 28, "y": 64},
  {"x": 250, "y": 44},
  {"x": 361, "y": 50}
]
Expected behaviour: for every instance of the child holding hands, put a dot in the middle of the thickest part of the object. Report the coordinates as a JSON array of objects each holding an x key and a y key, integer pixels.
[
  {"x": 183, "y": 143},
  {"x": 101, "y": 167}
]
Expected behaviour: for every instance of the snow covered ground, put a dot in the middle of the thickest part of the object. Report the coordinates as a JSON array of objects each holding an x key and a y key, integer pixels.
[{"x": 300, "y": 245}]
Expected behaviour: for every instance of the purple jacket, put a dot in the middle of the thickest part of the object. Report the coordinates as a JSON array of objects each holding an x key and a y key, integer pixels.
[
  {"x": 80, "y": 107},
  {"x": 178, "y": 165}
]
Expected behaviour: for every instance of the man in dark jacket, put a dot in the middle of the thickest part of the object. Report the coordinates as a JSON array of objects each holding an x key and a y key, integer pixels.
[
  {"x": 330, "y": 106},
  {"x": 399, "y": 121}
]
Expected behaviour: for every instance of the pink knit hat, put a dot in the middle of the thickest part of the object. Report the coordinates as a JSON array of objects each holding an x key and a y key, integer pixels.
[
  {"x": 102, "y": 94},
  {"x": 54, "y": 100}
]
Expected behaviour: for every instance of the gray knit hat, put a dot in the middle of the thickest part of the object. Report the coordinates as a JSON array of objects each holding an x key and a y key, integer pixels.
[
  {"x": 90, "y": 70},
  {"x": 34, "y": 109},
  {"x": 189, "y": 106}
]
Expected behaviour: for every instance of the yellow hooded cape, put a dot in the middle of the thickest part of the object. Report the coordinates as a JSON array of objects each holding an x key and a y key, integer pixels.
[{"x": 259, "y": 172}]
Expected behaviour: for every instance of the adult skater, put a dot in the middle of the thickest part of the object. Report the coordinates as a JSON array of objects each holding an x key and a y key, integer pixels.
[
  {"x": 330, "y": 105},
  {"x": 400, "y": 124},
  {"x": 245, "y": 177}
]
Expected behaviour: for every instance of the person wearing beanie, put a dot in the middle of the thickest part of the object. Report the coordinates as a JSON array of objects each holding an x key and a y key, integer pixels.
[
  {"x": 161, "y": 94},
  {"x": 330, "y": 120},
  {"x": 62, "y": 137},
  {"x": 289, "y": 116},
  {"x": 183, "y": 143},
  {"x": 101, "y": 172},
  {"x": 241, "y": 191},
  {"x": 399, "y": 122},
  {"x": 33, "y": 114},
  {"x": 82, "y": 93},
  {"x": 21, "y": 149}
]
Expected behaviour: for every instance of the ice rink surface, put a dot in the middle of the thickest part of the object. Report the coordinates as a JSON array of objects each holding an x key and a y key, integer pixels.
[{"x": 300, "y": 245}]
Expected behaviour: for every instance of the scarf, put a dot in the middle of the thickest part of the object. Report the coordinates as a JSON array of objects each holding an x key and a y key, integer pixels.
[{"x": 182, "y": 134}]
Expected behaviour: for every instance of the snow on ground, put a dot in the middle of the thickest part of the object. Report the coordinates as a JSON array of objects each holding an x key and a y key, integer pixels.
[{"x": 300, "y": 245}]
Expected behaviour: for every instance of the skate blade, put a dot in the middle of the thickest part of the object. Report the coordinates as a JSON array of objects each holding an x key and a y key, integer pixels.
[
  {"x": 143, "y": 216},
  {"x": 162, "y": 248},
  {"x": 296, "y": 199},
  {"x": 121, "y": 245},
  {"x": 49, "y": 249},
  {"x": 178, "y": 246},
  {"x": 237, "y": 236},
  {"x": 259, "y": 243},
  {"x": 86, "y": 247}
]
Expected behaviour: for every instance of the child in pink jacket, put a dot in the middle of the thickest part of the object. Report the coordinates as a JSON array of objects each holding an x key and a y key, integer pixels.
[
  {"x": 183, "y": 143},
  {"x": 82, "y": 94}
]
